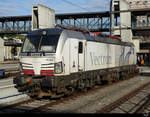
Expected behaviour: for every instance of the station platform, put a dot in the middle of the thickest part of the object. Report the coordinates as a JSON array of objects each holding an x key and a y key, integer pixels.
[
  {"x": 9, "y": 68},
  {"x": 9, "y": 62},
  {"x": 144, "y": 71}
]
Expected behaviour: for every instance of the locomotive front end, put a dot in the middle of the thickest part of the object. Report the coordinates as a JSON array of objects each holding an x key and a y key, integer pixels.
[{"x": 38, "y": 64}]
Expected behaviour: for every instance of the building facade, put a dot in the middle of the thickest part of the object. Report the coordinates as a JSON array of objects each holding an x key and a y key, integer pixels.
[
  {"x": 141, "y": 22},
  {"x": 139, "y": 4}
]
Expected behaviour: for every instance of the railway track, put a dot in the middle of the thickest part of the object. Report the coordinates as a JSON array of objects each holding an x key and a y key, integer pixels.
[
  {"x": 10, "y": 68},
  {"x": 137, "y": 101},
  {"x": 11, "y": 74},
  {"x": 24, "y": 106},
  {"x": 35, "y": 106}
]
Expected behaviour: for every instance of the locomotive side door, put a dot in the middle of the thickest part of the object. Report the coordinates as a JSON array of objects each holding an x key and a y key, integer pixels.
[
  {"x": 81, "y": 55},
  {"x": 73, "y": 55}
]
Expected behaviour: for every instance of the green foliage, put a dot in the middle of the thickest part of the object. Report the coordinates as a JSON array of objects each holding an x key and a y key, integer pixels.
[{"x": 21, "y": 37}]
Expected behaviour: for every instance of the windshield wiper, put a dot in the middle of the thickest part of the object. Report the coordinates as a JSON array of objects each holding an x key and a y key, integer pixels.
[{"x": 40, "y": 43}]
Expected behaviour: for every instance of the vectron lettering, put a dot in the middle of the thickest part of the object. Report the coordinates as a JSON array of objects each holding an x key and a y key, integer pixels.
[{"x": 100, "y": 60}]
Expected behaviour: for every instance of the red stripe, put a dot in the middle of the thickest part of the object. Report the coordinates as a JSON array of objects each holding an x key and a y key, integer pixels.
[
  {"x": 28, "y": 71},
  {"x": 97, "y": 33},
  {"x": 51, "y": 71}
]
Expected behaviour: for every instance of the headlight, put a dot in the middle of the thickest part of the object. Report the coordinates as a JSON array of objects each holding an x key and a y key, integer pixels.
[{"x": 58, "y": 68}]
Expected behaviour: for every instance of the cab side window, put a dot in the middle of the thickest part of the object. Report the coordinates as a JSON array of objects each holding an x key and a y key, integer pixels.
[{"x": 80, "y": 49}]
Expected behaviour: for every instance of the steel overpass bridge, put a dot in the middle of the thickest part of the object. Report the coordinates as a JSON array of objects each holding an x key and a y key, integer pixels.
[
  {"x": 97, "y": 21},
  {"x": 92, "y": 21}
]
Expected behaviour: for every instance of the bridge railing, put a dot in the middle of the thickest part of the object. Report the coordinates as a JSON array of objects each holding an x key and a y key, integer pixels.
[
  {"x": 15, "y": 27},
  {"x": 99, "y": 21}
]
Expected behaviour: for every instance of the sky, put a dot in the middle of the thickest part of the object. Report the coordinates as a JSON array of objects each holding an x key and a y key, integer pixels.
[{"x": 24, "y": 7}]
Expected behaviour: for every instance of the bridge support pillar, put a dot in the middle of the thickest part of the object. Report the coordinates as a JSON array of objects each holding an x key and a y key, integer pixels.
[{"x": 1, "y": 50}]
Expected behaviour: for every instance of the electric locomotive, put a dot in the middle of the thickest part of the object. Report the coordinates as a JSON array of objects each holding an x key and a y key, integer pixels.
[{"x": 55, "y": 61}]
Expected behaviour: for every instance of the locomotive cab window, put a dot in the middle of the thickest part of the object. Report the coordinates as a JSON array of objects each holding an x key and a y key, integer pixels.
[
  {"x": 41, "y": 43},
  {"x": 80, "y": 47}
]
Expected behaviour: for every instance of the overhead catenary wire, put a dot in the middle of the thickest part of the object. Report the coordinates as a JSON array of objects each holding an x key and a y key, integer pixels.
[
  {"x": 86, "y": 9},
  {"x": 68, "y": 2}
]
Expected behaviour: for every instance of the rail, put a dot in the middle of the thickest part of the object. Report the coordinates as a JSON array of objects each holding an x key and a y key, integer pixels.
[{"x": 16, "y": 94}]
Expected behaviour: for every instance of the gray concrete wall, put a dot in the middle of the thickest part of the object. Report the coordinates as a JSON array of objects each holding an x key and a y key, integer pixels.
[
  {"x": 1, "y": 50},
  {"x": 42, "y": 17},
  {"x": 8, "y": 54},
  {"x": 136, "y": 43},
  {"x": 125, "y": 21}
]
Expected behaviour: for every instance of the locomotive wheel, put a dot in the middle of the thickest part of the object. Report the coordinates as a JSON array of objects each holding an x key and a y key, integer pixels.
[
  {"x": 98, "y": 80},
  {"x": 69, "y": 91}
]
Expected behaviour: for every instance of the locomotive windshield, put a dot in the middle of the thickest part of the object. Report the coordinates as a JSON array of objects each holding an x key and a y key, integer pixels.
[{"x": 41, "y": 43}]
